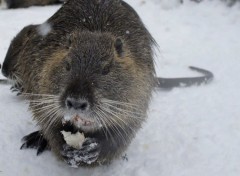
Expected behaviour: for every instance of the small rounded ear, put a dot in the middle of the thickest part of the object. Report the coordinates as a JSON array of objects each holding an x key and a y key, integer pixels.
[{"x": 119, "y": 47}]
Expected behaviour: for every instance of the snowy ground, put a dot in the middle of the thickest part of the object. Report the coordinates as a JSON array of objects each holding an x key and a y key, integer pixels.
[{"x": 190, "y": 132}]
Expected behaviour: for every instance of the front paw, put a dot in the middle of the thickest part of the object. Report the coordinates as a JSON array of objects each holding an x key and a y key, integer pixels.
[
  {"x": 35, "y": 140},
  {"x": 87, "y": 154}
]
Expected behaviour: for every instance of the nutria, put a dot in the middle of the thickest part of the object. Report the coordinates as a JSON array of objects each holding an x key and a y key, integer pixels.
[
  {"x": 88, "y": 68},
  {"x": 12, "y": 4}
]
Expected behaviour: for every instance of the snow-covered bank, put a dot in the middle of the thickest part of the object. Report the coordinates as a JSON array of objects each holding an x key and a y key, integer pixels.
[{"x": 192, "y": 131}]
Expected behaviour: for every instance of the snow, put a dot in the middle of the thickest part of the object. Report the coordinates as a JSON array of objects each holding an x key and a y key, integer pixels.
[
  {"x": 44, "y": 29},
  {"x": 190, "y": 131},
  {"x": 168, "y": 4}
]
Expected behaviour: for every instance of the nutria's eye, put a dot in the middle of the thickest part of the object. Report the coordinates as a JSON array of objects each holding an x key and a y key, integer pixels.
[
  {"x": 106, "y": 70},
  {"x": 69, "y": 40},
  {"x": 68, "y": 66},
  {"x": 119, "y": 47}
]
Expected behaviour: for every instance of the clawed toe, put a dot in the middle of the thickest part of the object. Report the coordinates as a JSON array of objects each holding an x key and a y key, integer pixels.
[
  {"x": 17, "y": 88},
  {"x": 35, "y": 140}
]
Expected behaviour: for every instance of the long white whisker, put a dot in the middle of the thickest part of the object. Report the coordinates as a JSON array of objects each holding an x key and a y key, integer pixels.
[
  {"x": 119, "y": 103},
  {"x": 46, "y": 114},
  {"x": 54, "y": 119},
  {"x": 97, "y": 117},
  {"x": 110, "y": 112},
  {"x": 33, "y": 94},
  {"x": 102, "y": 118},
  {"x": 115, "y": 127},
  {"x": 43, "y": 108},
  {"x": 51, "y": 118},
  {"x": 128, "y": 112}
]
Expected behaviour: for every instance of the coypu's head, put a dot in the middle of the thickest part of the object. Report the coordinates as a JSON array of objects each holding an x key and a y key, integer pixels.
[{"x": 96, "y": 82}]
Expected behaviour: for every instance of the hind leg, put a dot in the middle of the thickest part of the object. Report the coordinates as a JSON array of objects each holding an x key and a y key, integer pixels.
[
  {"x": 11, "y": 67},
  {"x": 16, "y": 83},
  {"x": 17, "y": 87},
  {"x": 35, "y": 140}
]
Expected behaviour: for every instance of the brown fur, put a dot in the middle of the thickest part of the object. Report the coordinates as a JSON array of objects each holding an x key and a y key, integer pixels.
[{"x": 85, "y": 34}]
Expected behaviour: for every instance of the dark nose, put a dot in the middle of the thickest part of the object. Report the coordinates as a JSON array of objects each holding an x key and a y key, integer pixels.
[{"x": 77, "y": 104}]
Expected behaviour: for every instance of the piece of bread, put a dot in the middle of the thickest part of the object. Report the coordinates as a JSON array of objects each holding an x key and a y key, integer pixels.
[{"x": 74, "y": 140}]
